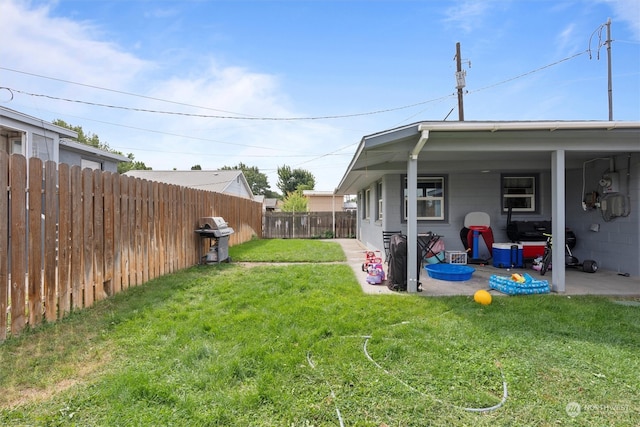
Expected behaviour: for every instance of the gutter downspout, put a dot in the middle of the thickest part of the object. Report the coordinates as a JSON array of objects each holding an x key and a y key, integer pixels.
[{"x": 413, "y": 275}]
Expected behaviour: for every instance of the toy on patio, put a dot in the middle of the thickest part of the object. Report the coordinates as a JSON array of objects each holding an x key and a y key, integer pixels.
[
  {"x": 476, "y": 225},
  {"x": 373, "y": 267},
  {"x": 449, "y": 272},
  {"x": 431, "y": 248},
  {"x": 371, "y": 258},
  {"x": 375, "y": 274},
  {"x": 518, "y": 284},
  {"x": 588, "y": 266}
]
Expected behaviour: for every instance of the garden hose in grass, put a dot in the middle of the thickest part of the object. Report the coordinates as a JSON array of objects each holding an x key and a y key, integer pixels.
[
  {"x": 410, "y": 387},
  {"x": 486, "y": 409},
  {"x": 333, "y": 395}
]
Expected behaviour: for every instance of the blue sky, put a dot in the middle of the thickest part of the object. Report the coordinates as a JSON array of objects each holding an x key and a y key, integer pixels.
[{"x": 254, "y": 81}]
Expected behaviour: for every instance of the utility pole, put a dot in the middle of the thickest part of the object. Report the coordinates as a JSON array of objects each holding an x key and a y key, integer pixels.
[
  {"x": 459, "y": 82},
  {"x": 608, "y": 42}
]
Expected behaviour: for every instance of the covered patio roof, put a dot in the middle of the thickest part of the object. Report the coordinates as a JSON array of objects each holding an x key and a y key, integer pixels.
[
  {"x": 481, "y": 146},
  {"x": 473, "y": 146}
]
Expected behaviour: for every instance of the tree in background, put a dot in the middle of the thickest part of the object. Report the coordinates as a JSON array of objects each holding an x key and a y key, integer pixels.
[
  {"x": 294, "y": 202},
  {"x": 93, "y": 140},
  {"x": 196, "y": 168},
  {"x": 85, "y": 138},
  {"x": 295, "y": 180},
  {"x": 132, "y": 165},
  {"x": 257, "y": 181}
]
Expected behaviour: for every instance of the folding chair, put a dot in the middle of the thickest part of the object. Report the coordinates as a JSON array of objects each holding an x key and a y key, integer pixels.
[
  {"x": 386, "y": 239},
  {"x": 430, "y": 245}
]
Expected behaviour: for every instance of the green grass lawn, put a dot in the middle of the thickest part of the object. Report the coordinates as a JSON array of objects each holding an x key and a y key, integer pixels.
[{"x": 301, "y": 345}]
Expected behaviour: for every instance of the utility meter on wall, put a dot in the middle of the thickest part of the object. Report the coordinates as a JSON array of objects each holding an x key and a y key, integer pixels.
[{"x": 610, "y": 183}]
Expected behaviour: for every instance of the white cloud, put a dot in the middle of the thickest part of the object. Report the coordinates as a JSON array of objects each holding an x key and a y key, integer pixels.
[
  {"x": 467, "y": 14},
  {"x": 566, "y": 38},
  {"x": 36, "y": 42},
  {"x": 73, "y": 51},
  {"x": 628, "y": 12}
]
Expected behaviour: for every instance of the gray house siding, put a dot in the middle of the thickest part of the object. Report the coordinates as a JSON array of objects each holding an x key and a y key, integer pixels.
[
  {"x": 75, "y": 158},
  {"x": 616, "y": 246},
  {"x": 465, "y": 192},
  {"x": 36, "y": 138},
  {"x": 461, "y": 151},
  {"x": 237, "y": 187}
]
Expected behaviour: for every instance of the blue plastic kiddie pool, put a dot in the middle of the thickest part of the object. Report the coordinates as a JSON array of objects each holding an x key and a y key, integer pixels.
[{"x": 450, "y": 272}]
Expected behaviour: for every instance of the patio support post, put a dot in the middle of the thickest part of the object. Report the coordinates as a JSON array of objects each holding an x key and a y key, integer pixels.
[
  {"x": 558, "y": 220},
  {"x": 413, "y": 275},
  {"x": 412, "y": 224}
]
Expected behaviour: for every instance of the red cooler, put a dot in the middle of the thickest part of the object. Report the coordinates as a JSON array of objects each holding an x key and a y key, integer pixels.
[{"x": 532, "y": 250}]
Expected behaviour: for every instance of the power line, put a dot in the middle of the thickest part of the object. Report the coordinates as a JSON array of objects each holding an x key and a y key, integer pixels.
[
  {"x": 218, "y": 154},
  {"x": 215, "y": 116},
  {"x": 210, "y": 153},
  {"x": 119, "y": 91},
  {"x": 240, "y": 116},
  {"x": 528, "y": 73}
]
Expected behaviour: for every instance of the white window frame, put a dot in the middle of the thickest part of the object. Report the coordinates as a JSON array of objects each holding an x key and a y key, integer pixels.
[
  {"x": 367, "y": 203},
  {"x": 42, "y": 147},
  {"x": 521, "y": 193},
  {"x": 423, "y": 196},
  {"x": 16, "y": 146},
  {"x": 90, "y": 164},
  {"x": 379, "y": 196}
]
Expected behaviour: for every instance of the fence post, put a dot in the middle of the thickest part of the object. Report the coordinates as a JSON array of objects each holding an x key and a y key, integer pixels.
[
  {"x": 34, "y": 233},
  {"x": 18, "y": 167},
  {"x": 4, "y": 242}
]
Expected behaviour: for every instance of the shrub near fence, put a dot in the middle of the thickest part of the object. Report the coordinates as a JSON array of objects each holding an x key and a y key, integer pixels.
[{"x": 70, "y": 237}]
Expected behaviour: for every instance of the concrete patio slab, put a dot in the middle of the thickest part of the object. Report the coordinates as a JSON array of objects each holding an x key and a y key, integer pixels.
[{"x": 604, "y": 282}]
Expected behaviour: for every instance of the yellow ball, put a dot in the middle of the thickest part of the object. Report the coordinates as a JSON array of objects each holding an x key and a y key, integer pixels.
[{"x": 482, "y": 297}]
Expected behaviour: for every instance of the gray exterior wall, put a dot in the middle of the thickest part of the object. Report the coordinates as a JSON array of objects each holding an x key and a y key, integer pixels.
[
  {"x": 74, "y": 158},
  {"x": 237, "y": 187},
  {"x": 616, "y": 246}
]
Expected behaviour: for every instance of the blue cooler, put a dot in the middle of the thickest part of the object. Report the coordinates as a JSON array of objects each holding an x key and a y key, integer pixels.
[{"x": 507, "y": 255}]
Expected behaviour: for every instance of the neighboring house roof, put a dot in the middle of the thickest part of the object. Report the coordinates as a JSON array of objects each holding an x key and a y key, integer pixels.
[
  {"x": 33, "y": 137},
  {"x": 271, "y": 203},
  {"x": 317, "y": 193},
  {"x": 219, "y": 181},
  {"x": 445, "y": 146},
  {"x": 267, "y": 203},
  {"x": 69, "y": 145},
  {"x": 36, "y": 122},
  {"x": 350, "y": 206}
]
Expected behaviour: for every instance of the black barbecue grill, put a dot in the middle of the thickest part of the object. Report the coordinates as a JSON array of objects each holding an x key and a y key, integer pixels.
[
  {"x": 216, "y": 229},
  {"x": 535, "y": 231}
]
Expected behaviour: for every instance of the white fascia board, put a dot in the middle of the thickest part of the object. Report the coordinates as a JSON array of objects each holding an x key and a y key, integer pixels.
[{"x": 545, "y": 125}]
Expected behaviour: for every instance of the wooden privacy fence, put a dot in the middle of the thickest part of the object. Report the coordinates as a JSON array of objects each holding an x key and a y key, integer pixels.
[
  {"x": 70, "y": 237},
  {"x": 306, "y": 225}
]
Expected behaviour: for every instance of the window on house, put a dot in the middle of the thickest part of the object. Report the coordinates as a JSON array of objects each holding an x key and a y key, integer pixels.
[
  {"x": 379, "y": 204},
  {"x": 42, "y": 147},
  {"x": 367, "y": 203},
  {"x": 16, "y": 146},
  {"x": 519, "y": 192},
  {"x": 91, "y": 164},
  {"x": 430, "y": 198}
]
